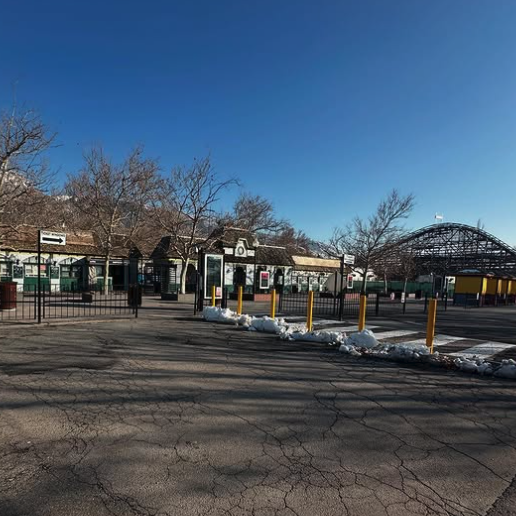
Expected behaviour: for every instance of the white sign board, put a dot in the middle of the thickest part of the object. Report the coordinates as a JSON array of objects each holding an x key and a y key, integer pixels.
[
  {"x": 213, "y": 273},
  {"x": 349, "y": 259},
  {"x": 49, "y": 237},
  {"x": 264, "y": 280}
]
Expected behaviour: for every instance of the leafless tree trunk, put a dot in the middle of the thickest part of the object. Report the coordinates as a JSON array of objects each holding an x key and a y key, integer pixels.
[
  {"x": 185, "y": 207},
  {"x": 112, "y": 200},
  {"x": 366, "y": 238}
]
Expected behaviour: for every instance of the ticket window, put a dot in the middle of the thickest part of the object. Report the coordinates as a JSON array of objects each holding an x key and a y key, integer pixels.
[
  {"x": 31, "y": 270},
  {"x": 5, "y": 271}
]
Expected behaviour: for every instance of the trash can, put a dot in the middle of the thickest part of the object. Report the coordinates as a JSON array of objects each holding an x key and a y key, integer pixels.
[
  {"x": 134, "y": 295},
  {"x": 8, "y": 295}
]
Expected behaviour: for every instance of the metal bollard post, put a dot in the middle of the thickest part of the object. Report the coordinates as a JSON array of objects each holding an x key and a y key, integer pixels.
[
  {"x": 213, "y": 299},
  {"x": 309, "y": 311},
  {"x": 273, "y": 303},
  {"x": 362, "y": 313},
  {"x": 430, "y": 325},
  {"x": 240, "y": 299}
]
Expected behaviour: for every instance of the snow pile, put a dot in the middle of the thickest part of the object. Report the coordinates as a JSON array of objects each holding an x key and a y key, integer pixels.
[
  {"x": 362, "y": 339},
  {"x": 349, "y": 350},
  {"x": 323, "y": 336},
  {"x": 402, "y": 352},
  {"x": 506, "y": 370},
  {"x": 473, "y": 365},
  {"x": 267, "y": 325},
  {"x": 225, "y": 316}
]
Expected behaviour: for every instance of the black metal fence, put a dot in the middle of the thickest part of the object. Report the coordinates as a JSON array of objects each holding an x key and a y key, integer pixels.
[
  {"x": 327, "y": 305},
  {"x": 51, "y": 302}
]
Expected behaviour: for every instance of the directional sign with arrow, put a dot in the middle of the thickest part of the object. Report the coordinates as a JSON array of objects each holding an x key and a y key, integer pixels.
[
  {"x": 349, "y": 259},
  {"x": 49, "y": 237}
]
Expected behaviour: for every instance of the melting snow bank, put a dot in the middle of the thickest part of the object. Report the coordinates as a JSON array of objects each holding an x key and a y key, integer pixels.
[
  {"x": 225, "y": 316},
  {"x": 507, "y": 368},
  {"x": 362, "y": 343}
]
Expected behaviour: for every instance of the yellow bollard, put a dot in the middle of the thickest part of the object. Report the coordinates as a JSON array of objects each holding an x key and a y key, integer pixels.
[
  {"x": 240, "y": 299},
  {"x": 309, "y": 311},
  {"x": 430, "y": 325},
  {"x": 362, "y": 312},
  {"x": 213, "y": 290},
  {"x": 273, "y": 303}
]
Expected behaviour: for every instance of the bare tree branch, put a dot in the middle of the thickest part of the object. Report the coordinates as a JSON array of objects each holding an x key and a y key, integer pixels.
[
  {"x": 185, "y": 207},
  {"x": 24, "y": 172},
  {"x": 254, "y": 213},
  {"x": 110, "y": 199},
  {"x": 367, "y": 239}
]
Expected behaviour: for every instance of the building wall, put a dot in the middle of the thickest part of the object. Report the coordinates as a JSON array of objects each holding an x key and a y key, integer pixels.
[
  {"x": 469, "y": 285},
  {"x": 60, "y": 271},
  {"x": 493, "y": 286}
]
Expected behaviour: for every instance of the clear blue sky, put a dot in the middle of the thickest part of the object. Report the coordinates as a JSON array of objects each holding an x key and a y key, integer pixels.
[{"x": 321, "y": 106}]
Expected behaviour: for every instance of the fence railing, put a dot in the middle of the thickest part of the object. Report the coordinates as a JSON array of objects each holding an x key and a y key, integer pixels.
[
  {"x": 52, "y": 302},
  {"x": 326, "y": 304}
]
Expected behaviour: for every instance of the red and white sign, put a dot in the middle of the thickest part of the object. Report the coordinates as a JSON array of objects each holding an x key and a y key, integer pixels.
[{"x": 264, "y": 280}]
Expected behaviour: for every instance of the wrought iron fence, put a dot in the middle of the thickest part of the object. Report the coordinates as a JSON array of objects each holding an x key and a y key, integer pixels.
[
  {"x": 27, "y": 304},
  {"x": 325, "y": 304}
]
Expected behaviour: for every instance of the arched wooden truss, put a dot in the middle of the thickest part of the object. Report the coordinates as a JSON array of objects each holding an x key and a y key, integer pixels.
[{"x": 447, "y": 249}]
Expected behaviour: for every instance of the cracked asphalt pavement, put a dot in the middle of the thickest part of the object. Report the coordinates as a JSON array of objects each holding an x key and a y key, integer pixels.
[{"x": 172, "y": 416}]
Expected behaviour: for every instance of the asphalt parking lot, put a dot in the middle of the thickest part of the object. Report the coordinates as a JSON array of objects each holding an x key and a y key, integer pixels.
[{"x": 169, "y": 415}]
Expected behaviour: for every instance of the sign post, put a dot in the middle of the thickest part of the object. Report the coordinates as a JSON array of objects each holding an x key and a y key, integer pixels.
[
  {"x": 341, "y": 291},
  {"x": 49, "y": 238},
  {"x": 39, "y": 276}
]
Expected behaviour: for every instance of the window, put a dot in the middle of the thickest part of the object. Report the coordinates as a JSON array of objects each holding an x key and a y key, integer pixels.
[
  {"x": 71, "y": 271},
  {"x": 31, "y": 270},
  {"x": 5, "y": 269}
]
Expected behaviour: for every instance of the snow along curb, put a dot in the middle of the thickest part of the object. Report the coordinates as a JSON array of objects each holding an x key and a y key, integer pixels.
[{"x": 362, "y": 343}]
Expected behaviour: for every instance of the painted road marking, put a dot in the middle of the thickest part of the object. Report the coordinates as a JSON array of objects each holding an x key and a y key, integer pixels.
[
  {"x": 485, "y": 350},
  {"x": 394, "y": 333},
  {"x": 348, "y": 329},
  {"x": 439, "y": 340}
]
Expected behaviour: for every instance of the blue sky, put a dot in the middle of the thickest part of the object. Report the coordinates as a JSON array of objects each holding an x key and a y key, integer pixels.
[{"x": 320, "y": 106}]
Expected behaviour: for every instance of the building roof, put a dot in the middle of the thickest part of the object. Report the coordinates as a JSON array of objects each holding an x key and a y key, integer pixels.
[
  {"x": 24, "y": 238},
  {"x": 273, "y": 255},
  {"x": 229, "y": 236},
  {"x": 310, "y": 263}
]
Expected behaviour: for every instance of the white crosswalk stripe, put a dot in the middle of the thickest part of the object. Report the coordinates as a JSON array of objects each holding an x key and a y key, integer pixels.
[
  {"x": 347, "y": 329},
  {"x": 390, "y": 334},
  {"x": 439, "y": 340},
  {"x": 484, "y": 350}
]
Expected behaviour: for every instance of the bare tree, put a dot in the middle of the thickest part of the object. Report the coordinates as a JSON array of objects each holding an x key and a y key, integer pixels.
[
  {"x": 368, "y": 239},
  {"x": 112, "y": 200},
  {"x": 24, "y": 173},
  {"x": 296, "y": 241},
  {"x": 256, "y": 214},
  {"x": 185, "y": 208},
  {"x": 404, "y": 263}
]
